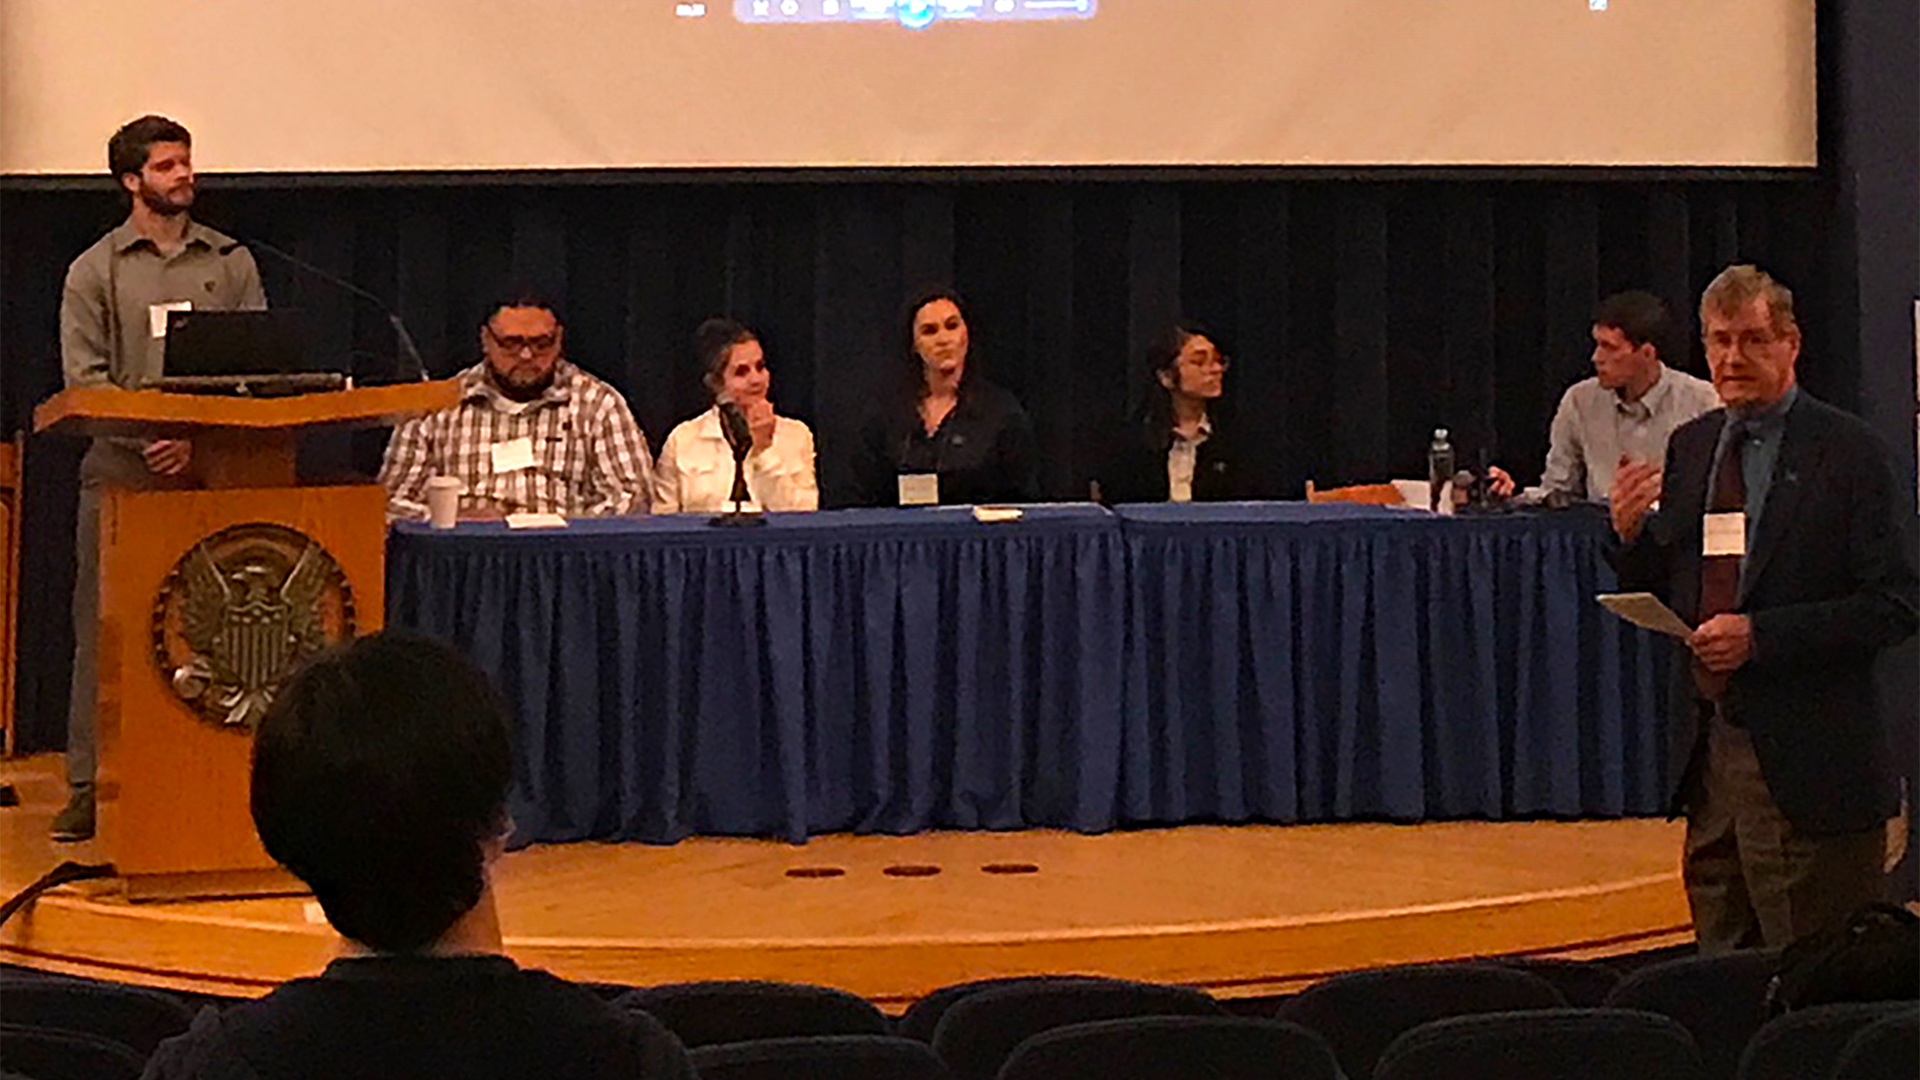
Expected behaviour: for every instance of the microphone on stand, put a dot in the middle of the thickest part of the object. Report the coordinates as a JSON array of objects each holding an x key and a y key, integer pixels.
[
  {"x": 410, "y": 351},
  {"x": 739, "y": 436}
]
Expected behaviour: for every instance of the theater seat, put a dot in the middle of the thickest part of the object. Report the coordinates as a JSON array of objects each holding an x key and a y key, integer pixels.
[
  {"x": 923, "y": 1016},
  {"x": 980, "y": 1031},
  {"x": 1360, "y": 1012},
  {"x": 44, "y": 1054},
  {"x": 820, "y": 1057},
  {"x": 1174, "y": 1048},
  {"x": 1583, "y": 983},
  {"x": 724, "y": 1011},
  {"x": 1887, "y": 1049},
  {"x": 1808, "y": 1043},
  {"x": 132, "y": 1016},
  {"x": 1566, "y": 1044},
  {"x": 1720, "y": 1000}
]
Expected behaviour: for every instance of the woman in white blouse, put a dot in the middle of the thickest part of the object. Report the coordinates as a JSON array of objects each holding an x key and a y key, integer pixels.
[{"x": 695, "y": 471}]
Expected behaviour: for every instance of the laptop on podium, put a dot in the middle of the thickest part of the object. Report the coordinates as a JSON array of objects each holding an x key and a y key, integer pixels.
[{"x": 245, "y": 353}]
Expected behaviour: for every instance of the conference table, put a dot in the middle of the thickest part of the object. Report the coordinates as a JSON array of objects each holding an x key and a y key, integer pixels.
[{"x": 901, "y": 670}]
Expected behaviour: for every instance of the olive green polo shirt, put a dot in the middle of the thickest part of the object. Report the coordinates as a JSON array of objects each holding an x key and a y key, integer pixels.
[{"x": 115, "y": 289}]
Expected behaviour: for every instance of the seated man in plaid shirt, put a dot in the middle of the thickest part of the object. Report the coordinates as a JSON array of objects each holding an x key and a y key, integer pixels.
[{"x": 532, "y": 432}]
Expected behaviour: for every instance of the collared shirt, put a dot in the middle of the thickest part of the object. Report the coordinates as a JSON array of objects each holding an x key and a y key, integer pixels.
[
  {"x": 589, "y": 456},
  {"x": 1764, "y": 430},
  {"x": 695, "y": 470},
  {"x": 1594, "y": 426},
  {"x": 1182, "y": 456},
  {"x": 113, "y": 289}
]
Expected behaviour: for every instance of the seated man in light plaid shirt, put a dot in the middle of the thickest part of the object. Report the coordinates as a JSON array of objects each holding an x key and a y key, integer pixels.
[{"x": 532, "y": 433}]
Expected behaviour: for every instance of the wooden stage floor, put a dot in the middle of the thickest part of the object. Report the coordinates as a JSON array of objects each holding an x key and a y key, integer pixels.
[{"x": 1236, "y": 910}]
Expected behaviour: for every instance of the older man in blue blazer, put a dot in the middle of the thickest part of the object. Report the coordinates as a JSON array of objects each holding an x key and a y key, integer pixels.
[{"x": 1777, "y": 535}]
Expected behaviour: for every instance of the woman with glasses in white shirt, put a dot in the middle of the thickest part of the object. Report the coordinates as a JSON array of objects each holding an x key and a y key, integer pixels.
[{"x": 694, "y": 473}]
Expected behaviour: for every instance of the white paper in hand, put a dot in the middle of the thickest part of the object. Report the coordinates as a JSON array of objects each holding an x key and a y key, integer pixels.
[{"x": 1647, "y": 612}]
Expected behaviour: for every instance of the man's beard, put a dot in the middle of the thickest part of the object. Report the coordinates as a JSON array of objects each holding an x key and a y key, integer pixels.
[
  {"x": 158, "y": 201},
  {"x": 524, "y": 391}
]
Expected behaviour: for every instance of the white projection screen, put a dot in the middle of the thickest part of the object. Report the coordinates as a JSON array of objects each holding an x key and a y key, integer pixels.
[{"x": 317, "y": 86}]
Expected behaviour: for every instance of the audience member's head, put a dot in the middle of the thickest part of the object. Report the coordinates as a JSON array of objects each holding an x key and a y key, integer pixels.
[
  {"x": 1752, "y": 339},
  {"x": 1631, "y": 332},
  {"x": 380, "y": 779},
  {"x": 522, "y": 340},
  {"x": 152, "y": 160}
]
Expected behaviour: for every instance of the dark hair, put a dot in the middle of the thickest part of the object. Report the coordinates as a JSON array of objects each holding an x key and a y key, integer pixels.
[
  {"x": 712, "y": 342},
  {"x": 128, "y": 149},
  {"x": 1163, "y": 356},
  {"x": 915, "y": 377},
  {"x": 522, "y": 298},
  {"x": 379, "y": 773},
  {"x": 1640, "y": 317}
]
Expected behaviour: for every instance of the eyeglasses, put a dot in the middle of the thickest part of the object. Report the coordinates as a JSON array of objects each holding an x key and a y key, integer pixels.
[
  {"x": 1201, "y": 363},
  {"x": 534, "y": 345}
]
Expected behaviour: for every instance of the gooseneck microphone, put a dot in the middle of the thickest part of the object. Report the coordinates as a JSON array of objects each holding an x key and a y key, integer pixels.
[
  {"x": 739, "y": 436},
  {"x": 407, "y": 347}
]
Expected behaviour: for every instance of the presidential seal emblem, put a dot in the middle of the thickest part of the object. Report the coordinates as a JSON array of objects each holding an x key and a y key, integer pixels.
[{"x": 239, "y": 610}]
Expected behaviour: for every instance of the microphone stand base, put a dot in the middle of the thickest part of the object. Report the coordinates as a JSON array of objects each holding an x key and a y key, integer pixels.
[{"x": 738, "y": 519}]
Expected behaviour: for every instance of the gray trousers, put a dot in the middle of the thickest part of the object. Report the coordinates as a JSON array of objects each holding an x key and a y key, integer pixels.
[
  {"x": 1752, "y": 878},
  {"x": 82, "y": 753},
  {"x": 116, "y": 463}
]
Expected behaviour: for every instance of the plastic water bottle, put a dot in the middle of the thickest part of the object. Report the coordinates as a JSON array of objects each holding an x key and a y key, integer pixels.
[{"x": 1440, "y": 473}]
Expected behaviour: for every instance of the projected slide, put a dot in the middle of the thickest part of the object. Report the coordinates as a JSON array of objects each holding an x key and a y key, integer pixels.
[
  {"x": 912, "y": 14},
  {"x": 460, "y": 85}
]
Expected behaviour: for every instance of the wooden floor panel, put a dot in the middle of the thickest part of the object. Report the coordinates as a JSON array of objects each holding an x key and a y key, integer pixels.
[{"x": 1239, "y": 910}]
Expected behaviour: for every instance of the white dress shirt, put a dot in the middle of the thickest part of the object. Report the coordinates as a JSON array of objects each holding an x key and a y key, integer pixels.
[
  {"x": 1594, "y": 426},
  {"x": 695, "y": 472},
  {"x": 1182, "y": 457}
]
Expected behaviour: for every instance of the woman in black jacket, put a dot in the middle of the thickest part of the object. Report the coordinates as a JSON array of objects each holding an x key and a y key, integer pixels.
[
  {"x": 1180, "y": 447},
  {"x": 949, "y": 436}
]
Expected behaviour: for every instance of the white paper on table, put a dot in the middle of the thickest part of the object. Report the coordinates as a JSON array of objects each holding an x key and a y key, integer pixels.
[
  {"x": 536, "y": 521},
  {"x": 996, "y": 513},
  {"x": 1645, "y": 610}
]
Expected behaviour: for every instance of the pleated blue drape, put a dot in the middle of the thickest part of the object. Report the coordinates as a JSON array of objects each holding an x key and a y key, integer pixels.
[{"x": 894, "y": 671}]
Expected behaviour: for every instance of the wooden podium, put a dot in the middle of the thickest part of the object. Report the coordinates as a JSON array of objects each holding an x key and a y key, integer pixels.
[{"x": 205, "y": 595}]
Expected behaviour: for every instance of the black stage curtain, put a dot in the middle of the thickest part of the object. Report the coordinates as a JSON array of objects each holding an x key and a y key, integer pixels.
[{"x": 1360, "y": 313}]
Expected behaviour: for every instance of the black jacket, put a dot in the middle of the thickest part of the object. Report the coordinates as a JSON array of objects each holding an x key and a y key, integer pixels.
[
  {"x": 984, "y": 451},
  {"x": 1828, "y": 587},
  {"x": 1134, "y": 468}
]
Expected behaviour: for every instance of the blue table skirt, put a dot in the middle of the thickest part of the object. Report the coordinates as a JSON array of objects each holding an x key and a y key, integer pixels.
[
  {"x": 1328, "y": 663},
  {"x": 893, "y": 671},
  {"x": 874, "y": 671}
]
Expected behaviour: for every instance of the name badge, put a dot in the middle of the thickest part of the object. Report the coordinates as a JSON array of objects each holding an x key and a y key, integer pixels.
[
  {"x": 919, "y": 489},
  {"x": 1725, "y": 534},
  {"x": 513, "y": 455},
  {"x": 157, "y": 315}
]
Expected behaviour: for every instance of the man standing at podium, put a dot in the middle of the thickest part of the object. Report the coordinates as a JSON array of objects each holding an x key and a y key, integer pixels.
[{"x": 113, "y": 324}]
